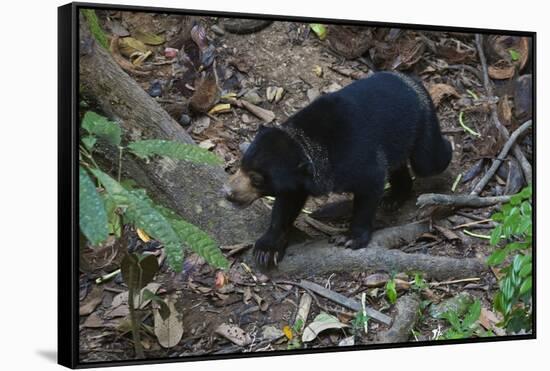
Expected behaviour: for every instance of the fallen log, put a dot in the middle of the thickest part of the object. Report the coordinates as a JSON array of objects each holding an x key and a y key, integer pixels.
[
  {"x": 315, "y": 258},
  {"x": 192, "y": 190},
  {"x": 407, "y": 314}
]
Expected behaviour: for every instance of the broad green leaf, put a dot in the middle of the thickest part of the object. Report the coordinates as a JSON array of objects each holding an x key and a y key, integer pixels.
[
  {"x": 526, "y": 270},
  {"x": 526, "y": 286},
  {"x": 452, "y": 317},
  {"x": 319, "y": 29},
  {"x": 92, "y": 215},
  {"x": 473, "y": 314},
  {"x": 495, "y": 234},
  {"x": 89, "y": 142},
  {"x": 175, "y": 150},
  {"x": 197, "y": 240},
  {"x": 497, "y": 257},
  {"x": 101, "y": 127},
  {"x": 514, "y": 54},
  {"x": 391, "y": 292},
  {"x": 146, "y": 217}
]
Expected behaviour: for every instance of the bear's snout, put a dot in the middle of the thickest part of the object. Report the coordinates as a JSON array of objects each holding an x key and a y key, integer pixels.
[{"x": 239, "y": 190}]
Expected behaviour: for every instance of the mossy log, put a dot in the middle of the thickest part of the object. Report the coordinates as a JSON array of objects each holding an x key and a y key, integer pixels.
[{"x": 191, "y": 190}]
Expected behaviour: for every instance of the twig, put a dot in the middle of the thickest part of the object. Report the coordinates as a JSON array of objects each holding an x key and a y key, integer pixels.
[
  {"x": 501, "y": 156},
  {"x": 482, "y": 236},
  {"x": 526, "y": 167},
  {"x": 429, "y": 199},
  {"x": 473, "y": 279},
  {"x": 472, "y": 223},
  {"x": 345, "y": 301}
]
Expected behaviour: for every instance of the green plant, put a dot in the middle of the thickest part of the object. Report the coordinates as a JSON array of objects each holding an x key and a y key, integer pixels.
[
  {"x": 463, "y": 328},
  {"x": 103, "y": 212},
  {"x": 95, "y": 28},
  {"x": 514, "y": 298},
  {"x": 391, "y": 291},
  {"x": 359, "y": 323}
]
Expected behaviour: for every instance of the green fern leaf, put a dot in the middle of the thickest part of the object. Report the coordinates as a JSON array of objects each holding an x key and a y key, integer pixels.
[
  {"x": 175, "y": 150},
  {"x": 143, "y": 215},
  {"x": 196, "y": 239},
  {"x": 92, "y": 214},
  {"x": 99, "y": 126}
]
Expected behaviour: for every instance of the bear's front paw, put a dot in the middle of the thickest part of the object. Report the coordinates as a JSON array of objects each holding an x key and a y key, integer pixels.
[
  {"x": 269, "y": 251},
  {"x": 359, "y": 242}
]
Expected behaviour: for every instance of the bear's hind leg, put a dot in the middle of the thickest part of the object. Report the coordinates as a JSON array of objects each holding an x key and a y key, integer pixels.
[
  {"x": 401, "y": 186},
  {"x": 364, "y": 211}
]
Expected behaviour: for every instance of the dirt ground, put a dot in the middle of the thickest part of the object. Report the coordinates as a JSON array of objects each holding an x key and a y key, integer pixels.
[{"x": 291, "y": 56}]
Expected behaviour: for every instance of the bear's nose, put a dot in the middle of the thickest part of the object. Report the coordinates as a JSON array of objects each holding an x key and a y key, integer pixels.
[{"x": 227, "y": 192}]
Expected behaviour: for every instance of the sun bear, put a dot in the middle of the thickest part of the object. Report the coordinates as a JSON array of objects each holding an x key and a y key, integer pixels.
[{"x": 352, "y": 140}]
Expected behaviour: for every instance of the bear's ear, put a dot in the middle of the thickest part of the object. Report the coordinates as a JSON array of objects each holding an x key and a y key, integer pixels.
[
  {"x": 306, "y": 167},
  {"x": 262, "y": 127}
]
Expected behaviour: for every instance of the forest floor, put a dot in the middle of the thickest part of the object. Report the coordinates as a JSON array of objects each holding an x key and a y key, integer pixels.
[{"x": 289, "y": 55}]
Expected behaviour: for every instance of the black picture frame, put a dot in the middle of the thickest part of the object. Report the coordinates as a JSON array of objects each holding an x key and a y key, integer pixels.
[{"x": 68, "y": 229}]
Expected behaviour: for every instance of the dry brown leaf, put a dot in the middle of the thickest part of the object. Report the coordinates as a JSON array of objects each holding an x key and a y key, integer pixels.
[
  {"x": 234, "y": 334},
  {"x": 376, "y": 280},
  {"x": 92, "y": 300},
  {"x": 440, "y": 91},
  {"x": 447, "y": 233},
  {"x": 169, "y": 331},
  {"x": 504, "y": 111},
  {"x": 502, "y": 70}
]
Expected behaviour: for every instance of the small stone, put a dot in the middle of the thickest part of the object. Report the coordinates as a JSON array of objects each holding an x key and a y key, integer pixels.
[
  {"x": 170, "y": 52},
  {"x": 155, "y": 90},
  {"x": 207, "y": 144},
  {"x": 331, "y": 88},
  {"x": 185, "y": 120},
  {"x": 312, "y": 94},
  {"x": 217, "y": 30},
  {"x": 253, "y": 97}
]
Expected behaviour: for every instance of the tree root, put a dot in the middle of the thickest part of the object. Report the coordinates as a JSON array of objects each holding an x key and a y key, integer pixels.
[
  {"x": 320, "y": 257},
  {"x": 407, "y": 314},
  {"x": 458, "y": 201}
]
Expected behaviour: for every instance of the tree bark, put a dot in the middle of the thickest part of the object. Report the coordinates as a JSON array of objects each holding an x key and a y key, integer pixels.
[
  {"x": 192, "y": 190},
  {"x": 316, "y": 258}
]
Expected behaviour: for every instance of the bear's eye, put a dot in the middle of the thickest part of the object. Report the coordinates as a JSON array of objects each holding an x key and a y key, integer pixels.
[{"x": 256, "y": 179}]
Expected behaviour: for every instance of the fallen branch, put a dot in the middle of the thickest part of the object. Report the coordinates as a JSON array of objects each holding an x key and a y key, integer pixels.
[
  {"x": 344, "y": 301},
  {"x": 525, "y": 165},
  {"x": 502, "y": 155},
  {"x": 458, "y": 201},
  {"x": 315, "y": 258},
  {"x": 348, "y": 72},
  {"x": 407, "y": 308},
  {"x": 263, "y": 114}
]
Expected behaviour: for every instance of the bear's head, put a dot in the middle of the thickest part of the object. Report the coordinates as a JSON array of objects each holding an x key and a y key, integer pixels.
[{"x": 273, "y": 164}]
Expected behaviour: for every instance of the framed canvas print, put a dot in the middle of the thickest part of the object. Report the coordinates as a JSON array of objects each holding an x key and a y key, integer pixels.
[{"x": 236, "y": 185}]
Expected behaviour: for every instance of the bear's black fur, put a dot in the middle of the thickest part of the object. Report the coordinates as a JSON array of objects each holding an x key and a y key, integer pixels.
[{"x": 352, "y": 140}]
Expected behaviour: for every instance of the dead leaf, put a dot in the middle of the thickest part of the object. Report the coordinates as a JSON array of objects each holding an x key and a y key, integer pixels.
[
  {"x": 128, "y": 46},
  {"x": 92, "y": 300},
  {"x": 149, "y": 38},
  {"x": 234, "y": 334},
  {"x": 440, "y": 91},
  {"x": 169, "y": 331},
  {"x": 142, "y": 235},
  {"x": 93, "y": 321},
  {"x": 376, "y": 280},
  {"x": 322, "y": 322},
  {"x": 447, "y": 233},
  {"x": 119, "y": 305},
  {"x": 502, "y": 70}
]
